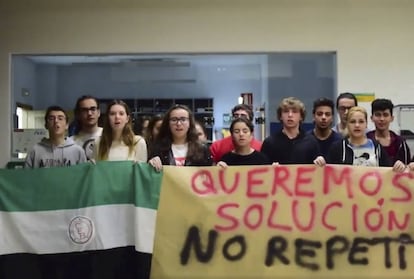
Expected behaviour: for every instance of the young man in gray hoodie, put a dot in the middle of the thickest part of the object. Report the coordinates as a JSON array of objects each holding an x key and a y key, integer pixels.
[{"x": 57, "y": 150}]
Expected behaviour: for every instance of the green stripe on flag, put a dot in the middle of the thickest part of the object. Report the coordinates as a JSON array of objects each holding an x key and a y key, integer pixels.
[{"x": 79, "y": 186}]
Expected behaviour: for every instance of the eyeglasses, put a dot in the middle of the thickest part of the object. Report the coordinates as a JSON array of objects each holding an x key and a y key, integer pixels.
[
  {"x": 343, "y": 108},
  {"x": 175, "y": 120},
  {"x": 86, "y": 110},
  {"x": 240, "y": 115},
  {"x": 52, "y": 118}
]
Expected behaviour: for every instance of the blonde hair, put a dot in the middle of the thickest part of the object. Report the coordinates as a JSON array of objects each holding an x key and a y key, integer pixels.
[
  {"x": 349, "y": 114},
  {"x": 353, "y": 110},
  {"x": 291, "y": 102}
]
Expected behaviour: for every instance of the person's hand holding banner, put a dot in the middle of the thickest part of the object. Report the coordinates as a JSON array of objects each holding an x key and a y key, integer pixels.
[{"x": 296, "y": 221}]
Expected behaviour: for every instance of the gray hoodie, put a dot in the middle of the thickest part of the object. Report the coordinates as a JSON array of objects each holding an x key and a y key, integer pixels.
[{"x": 45, "y": 155}]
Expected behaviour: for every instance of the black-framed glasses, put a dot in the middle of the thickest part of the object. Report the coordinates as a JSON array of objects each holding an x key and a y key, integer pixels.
[
  {"x": 175, "y": 120},
  {"x": 88, "y": 109},
  {"x": 343, "y": 108}
]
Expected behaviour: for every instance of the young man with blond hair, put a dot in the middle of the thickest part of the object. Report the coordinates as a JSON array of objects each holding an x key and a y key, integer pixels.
[{"x": 291, "y": 144}]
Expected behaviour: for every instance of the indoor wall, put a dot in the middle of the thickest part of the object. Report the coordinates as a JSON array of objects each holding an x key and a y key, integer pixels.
[{"x": 372, "y": 38}]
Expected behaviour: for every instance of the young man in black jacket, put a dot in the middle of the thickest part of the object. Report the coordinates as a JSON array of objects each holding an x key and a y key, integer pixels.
[
  {"x": 291, "y": 144},
  {"x": 323, "y": 110}
]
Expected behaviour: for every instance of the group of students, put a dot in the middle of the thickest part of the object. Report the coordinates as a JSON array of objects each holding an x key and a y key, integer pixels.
[
  {"x": 176, "y": 138},
  {"x": 170, "y": 139},
  {"x": 349, "y": 142},
  {"x": 115, "y": 141}
]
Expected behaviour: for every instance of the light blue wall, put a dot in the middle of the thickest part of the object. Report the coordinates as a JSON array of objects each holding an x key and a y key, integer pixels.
[
  {"x": 225, "y": 88},
  {"x": 47, "y": 86},
  {"x": 39, "y": 79},
  {"x": 23, "y": 77},
  {"x": 306, "y": 76}
]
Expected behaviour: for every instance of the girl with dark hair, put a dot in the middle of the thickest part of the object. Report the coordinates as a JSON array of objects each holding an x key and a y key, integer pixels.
[
  {"x": 177, "y": 143},
  {"x": 153, "y": 130},
  {"x": 118, "y": 141},
  {"x": 241, "y": 130},
  {"x": 201, "y": 132}
]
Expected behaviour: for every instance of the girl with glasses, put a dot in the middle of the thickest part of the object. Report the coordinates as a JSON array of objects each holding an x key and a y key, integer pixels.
[{"x": 177, "y": 142}]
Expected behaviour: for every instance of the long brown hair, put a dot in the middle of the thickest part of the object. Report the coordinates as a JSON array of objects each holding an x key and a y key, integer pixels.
[
  {"x": 149, "y": 136},
  {"x": 128, "y": 136},
  {"x": 165, "y": 138}
]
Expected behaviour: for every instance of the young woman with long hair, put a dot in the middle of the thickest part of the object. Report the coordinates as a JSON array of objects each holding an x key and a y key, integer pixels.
[
  {"x": 153, "y": 130},
  {"x": 118, "y": 141},
  {"x": 241, "y": 130},
  {"x": 177, "y": 143}
]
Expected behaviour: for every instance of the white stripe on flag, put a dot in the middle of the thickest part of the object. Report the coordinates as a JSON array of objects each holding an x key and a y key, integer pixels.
[{"x": 91, "y": 228}]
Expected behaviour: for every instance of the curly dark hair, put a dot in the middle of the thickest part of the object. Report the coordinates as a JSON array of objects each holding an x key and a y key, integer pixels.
[{"x": 165, "y": 137}]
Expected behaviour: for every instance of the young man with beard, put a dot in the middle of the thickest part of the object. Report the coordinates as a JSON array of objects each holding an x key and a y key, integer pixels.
[
  {"x": 323, "y": 118},
  {"x": 87, "y": 131},
  {"x": 57, "y": 150},
  {"x": 291, "y": 144},
  {"x": 395, "y": 146}
]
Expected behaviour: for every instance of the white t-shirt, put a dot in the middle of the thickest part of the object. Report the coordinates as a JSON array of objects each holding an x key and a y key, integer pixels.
[
  {"x": 119, "y": 151},
  {"x": 364, "y": 155},
  {"x": 180, "y": 153},
  {"x": 87, "y": 141}
]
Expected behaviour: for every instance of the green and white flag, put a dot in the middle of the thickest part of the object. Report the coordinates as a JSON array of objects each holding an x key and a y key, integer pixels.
[{"x": 84, "y": 208}]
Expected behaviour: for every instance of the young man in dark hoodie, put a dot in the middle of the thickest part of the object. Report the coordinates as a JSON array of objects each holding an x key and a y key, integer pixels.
[
  {"x": 323, "y": 116},
  {"x": 395, "y": 146},
  {"x": 57, "y": 150},
  {"x": 291, "y": 144}
]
